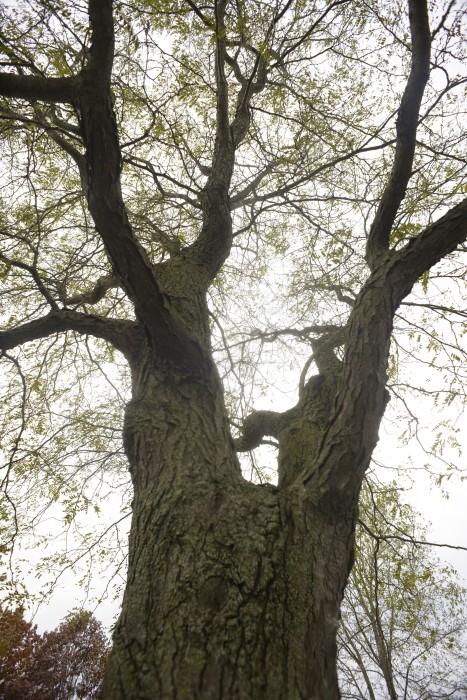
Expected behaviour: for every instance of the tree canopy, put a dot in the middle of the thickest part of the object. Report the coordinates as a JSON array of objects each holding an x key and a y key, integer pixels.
[{"x": 269, "y": 192}]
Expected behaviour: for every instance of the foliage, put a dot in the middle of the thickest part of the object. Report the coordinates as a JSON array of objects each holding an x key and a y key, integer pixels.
[
  {"x": 62, "y": 664},
  {"x": 403, "y": 627},
  {"x": 18, "y": 646}
]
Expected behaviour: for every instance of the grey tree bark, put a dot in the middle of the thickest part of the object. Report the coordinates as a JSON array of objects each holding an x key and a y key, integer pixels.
[{"x": 233, "y": 589}]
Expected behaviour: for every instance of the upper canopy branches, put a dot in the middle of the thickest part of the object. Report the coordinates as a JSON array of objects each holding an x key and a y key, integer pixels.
[
  {"x": 406, "y": 130},
  {"x": 93, "y": 101},
  {"x": 232, "y": 124}
]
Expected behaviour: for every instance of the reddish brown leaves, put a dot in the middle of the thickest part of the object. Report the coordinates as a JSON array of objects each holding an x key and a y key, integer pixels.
[{"x": 65, "y": 663}]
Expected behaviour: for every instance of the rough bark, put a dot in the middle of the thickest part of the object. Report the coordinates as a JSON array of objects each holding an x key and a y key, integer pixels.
[{"x": 233, "y": 589}]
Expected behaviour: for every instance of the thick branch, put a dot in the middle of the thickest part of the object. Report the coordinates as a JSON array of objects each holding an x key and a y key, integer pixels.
[
  {"x": 222, "y": 107},
  {"x": 406, "y": 130},
  {"x": 215, "y": 240},
  {"x": 352, "y": 432},
  {"x": 102, "y": 42},
  {"x": 431, "y": 245},
  {"x": 166, "y": 332},
  {"x": 119, "y": 333},
  {"x": 256, "y": 426},
  {"x": 241, "y": 123},
  {"x": 28, "y": 87}
]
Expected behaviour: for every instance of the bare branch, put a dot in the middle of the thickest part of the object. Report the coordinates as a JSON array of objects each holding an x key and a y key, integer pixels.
[
  {"x": 309, "y": 31},
  {"x": 36, "y": 277},
  {"x": 305, "y": 332},
  {"x": 240, "y": 196},
  {"x": 407, "y": 539},
  {"x": 94, "y": 295},
  {"x": 436, "y": 307}
]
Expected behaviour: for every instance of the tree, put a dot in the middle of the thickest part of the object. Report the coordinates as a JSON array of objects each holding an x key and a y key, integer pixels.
[
  {"x": 402, "y": 632},
  {"x": 144, "y": 153},
  {"x": 66, "y": 663},
  {"x": 19, "y": 641}
]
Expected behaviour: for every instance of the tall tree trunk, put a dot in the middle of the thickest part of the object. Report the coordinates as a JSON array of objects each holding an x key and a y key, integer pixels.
[{"x": 233, "y": 589}]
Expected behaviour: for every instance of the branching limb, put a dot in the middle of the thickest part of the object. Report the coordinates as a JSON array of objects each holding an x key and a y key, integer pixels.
[
  {"x": 406, "y": 130},
  {"x": 256, "y": 426},
  {"x": 433, "y": 243},
  {"x": 215, "y": 240},
  {"x": 90, "y": 93},
  {"x": 94, "y": 295},
  {"x": 120, "y": 333},
  {"x": 222, "y": 106},
  {"x": 165, "y": 330},
  {"x": 352, "y": 432},
  {"x": 36, "y": 277}
]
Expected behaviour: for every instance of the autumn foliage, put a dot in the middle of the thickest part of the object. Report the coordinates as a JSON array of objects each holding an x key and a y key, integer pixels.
[{"x": 67, "y": 662}]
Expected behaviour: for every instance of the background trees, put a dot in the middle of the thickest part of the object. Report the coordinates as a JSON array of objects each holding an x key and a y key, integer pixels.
[
  {"x": 300, "y": 117},
  {"x": 65, "y": 663},
  {"x": 403, "y": 626}
]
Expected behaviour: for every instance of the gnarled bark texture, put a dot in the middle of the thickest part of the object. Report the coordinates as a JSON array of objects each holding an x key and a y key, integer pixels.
[{"x": 233, "y": 589}]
